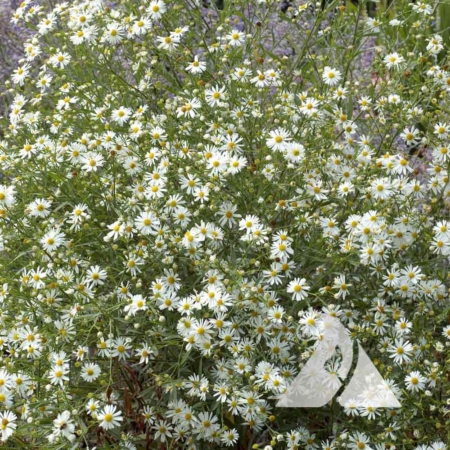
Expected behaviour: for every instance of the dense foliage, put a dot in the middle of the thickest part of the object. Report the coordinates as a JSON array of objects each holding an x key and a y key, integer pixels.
[{"x": 186, "y": 186}]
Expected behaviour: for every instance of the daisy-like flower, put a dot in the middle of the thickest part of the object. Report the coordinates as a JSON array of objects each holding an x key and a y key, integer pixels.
[
  {"x": 331, "y": 77},
  {"x": 441, "y": 130},
  {"x": 435, "y": 44},
  {"x": 446, "y": 332},
  {"x": 84, "y": 35},
  {"x": 215, "y": 96},
  {"x": 120, "y": 348},
  {"x": 136, "y": 130},
  {"x": 196, "y": 66},
  {"x": 39, "y": 208},
  {"x": 47, "y": 24},
  {"x": 340, "y": 93},
  {"x": 279, "y": 139},
  {"x": 121, "y": 115},
  {"x": 92, "y": 161},
  {"x": 19, "y": 75},
  {"x": 141, "y": 26},
  {"x": 169, "y": 43},
  {"x": 235, "y": 38},
  {"x": 249, "y": 223},
  {"x": 28, "y": 151},
  {"x": 158, "y": 134},
  {"x": 63, "y": 426},
  {"x": 402, "y": 327},
  {"x": 60, "y": 60},
  {"x": 400, "y": 351},
  {"x": 189, "y": 109},
  {"x": 156, "y": 9},
  {"x": 7, "y": 424},
  {"x": 229, "y": 437},
  {"x": 298, "y": 288},
  {"x": 92, "y": 406},
  {"x": 96, "y": 276},
  {"x": 393, "y": 60},
  {"x": 228, "y": 215},
  {"x": 162, "y": 430},
  {"x": 7, "y": 195},
  {"x": 359, "y": 441},
  {"x": 79, "y": 214},
  {"x": 309, "y": 106},
  {"x": 113, "y": 34},
  {"x": 276, "y": 314},
  {"x": 241, "y": 74},
  {"x": 342, "y": 285},
  {"x": 260, "y": 80},
  {"x": 58, "y": 375},
  {"x": 109, "y": 417},
  {"x": 36, "y": 278},
  {"x": 90, "y": 372},
  {"x": 144, "y": 353},
  {"x": 381, "y": 188},
  {"x": 415, "y": 381},
  {"x": 422, "y": 8},
  {"x": 410, "y": 135},
  {"x": 310, "y": 322},
  {"x": 138, "y": 303},
  {"x": 147, "y": 223},
  {"x": 52, "y": 240}
]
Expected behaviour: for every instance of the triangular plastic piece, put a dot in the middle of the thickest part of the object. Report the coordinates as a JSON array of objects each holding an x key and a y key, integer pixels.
[{"x": 367, "y": 387}]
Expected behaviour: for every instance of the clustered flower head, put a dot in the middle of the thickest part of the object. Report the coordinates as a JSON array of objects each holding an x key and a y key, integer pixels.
[{"x": 187, "y": 187}]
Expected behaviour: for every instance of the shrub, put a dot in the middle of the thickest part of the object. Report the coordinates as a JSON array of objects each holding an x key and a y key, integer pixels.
[{"x": 186, "y": 188}]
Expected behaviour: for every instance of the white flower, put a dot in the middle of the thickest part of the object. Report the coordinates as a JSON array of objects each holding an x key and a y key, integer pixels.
[
  {"x": 393, "y": 60},
  {"x": 342, "y": 285},
  {"x": 279, "y": 139},
  {"x": 20, "y": 74},
  {"x": 331, "y": 77},
  {"x": 60, "y": 60},
  {"x": 92, "y": 161},
  {"x": 90, "y": 372},
  {"x": 441, "y": 130},
  {"x": 235, "y": 38},
  {"x": 96, "y": 275},
  {"x": 8, "y": 425},
  {"x": 196, "y": 66},
  {"x": 422, "y": 8},
  {"x": 215, "y": 96},
  {"x": 400, "y": 351},
  {"x": 7, "y": 195},
  {"x": 121, "y": 115},
  {"x": 169, "y": 43},
  {"x": 58, "y": 375},
  {"x": 63, "y": 425},
  {"x": 309, "y": 106},
  {"x": 147, "y": 223},
  {"x": 156, "y": 9},
  {"x": 249, "y": 223},
  {"x": 298, "y": 288},
  {"x": 435, "y": 44},
  {"x": 415, "y": 381},
  {"x": 109, "y": 417},
  {"x": 113, "y": 33},
  {"x": 229, "y": 437}
]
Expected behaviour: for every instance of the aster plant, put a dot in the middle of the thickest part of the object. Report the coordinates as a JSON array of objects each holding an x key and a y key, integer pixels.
[{"x": 188, "y": 187}]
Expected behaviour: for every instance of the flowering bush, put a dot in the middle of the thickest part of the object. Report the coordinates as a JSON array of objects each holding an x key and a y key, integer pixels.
[{"x": 187, "y": 186}]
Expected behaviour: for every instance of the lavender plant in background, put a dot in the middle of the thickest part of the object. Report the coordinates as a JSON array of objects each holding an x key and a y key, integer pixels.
[{"x": 11, "y": 48}]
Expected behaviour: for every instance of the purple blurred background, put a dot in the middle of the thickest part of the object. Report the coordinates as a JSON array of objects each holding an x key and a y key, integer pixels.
[{"x": 11, "y": 43}]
